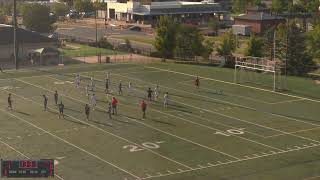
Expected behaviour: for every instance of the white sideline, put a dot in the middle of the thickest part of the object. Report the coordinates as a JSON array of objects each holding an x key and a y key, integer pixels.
[
  {"x": 294, "y": 119},
  {"x": 252, "y": 141},
  {"x": 119, "y": 137},
  {"x": 65, "y": 141},
  {"x": 231, "y": 162},
  {"x": 178, "y": 137},
  {"x": 284, "y": 94},
  {"x": 5, "y": 111},
  {"x": 283, "y": 132}
]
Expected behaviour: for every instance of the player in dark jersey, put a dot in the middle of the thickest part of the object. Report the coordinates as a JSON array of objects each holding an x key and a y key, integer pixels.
[
  {"x": 197, "y": 82},
  {"x": 109, "y": 111},
  {"x": 87, "y": 111},
  {"x": 61, "y": 108},
  {"x": 120, "y": 88},
  {"x": 149, "y": 94},
  {"x": 45, "y": 102},
  {"x": 56, "y": 97},
  {"x": 143, "y": 105},
  {"x": 107, "y": 86},
  {"x": 10, "y": 102}
]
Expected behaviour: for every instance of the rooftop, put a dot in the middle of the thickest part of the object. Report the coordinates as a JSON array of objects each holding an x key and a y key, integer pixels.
[
  {"x": 25, "y": 36},
  {"x": 259, "y": 17}
]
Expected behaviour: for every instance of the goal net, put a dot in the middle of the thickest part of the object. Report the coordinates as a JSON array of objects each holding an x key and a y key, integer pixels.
[{"x": 258, "y": 72}]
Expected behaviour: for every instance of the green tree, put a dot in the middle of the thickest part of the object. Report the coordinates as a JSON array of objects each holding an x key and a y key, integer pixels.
[
  {"x": 279, "y": 6},
  {"x": 228, "y": 44},
  {"x": 313, "y": 42},
  {"x": 291, "y": 46},
  {"x": 255, "y": 47},
  {"x": 37, "y": 17},
  {"x": 242, "y": 5},
  {"x": 60, "y": 9},
  {"x": 165, "y": 41},
  {"x": 208, "y": 48},
  {"x": 84, "y": 6},
  {"x": 214, "y": 24},
  {"x": 189, "y": 42},
  {"x": 6, "y": 8}
]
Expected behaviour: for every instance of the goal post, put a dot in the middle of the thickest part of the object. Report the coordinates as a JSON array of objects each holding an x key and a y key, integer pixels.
[{"x": 255, "y": 66}]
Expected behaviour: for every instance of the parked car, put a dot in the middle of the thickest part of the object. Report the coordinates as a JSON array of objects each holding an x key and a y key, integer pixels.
[
  {"x": 72, "y": 14},
  {"x": 135, "y": 28},
  {"x": 88, "y": 15}
]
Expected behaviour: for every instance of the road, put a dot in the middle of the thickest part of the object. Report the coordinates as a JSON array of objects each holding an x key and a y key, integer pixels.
[{"x": 89, "y": 33}]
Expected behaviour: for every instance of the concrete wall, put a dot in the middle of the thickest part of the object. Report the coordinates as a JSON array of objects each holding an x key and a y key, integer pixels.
[{"x": 6, "y": 51}]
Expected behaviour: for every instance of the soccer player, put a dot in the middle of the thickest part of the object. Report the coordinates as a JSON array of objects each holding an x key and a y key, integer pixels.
[
  {"x": 61, "y": 108},
  {"x": 45, "y": 102},
  {"x": 197, "y": 82},
  {"x": 143, "y": 105},
  {"x": 166, "y": 100},
  {"x": 93, "y": 101},
  {"x": 87, "y": 110},
  {"x": 109, "y": 110},
  {"x": 120, "y": 88},
  {"x": 156, "y": 92},
  {"x": 92, "y": 85},
  {"x": 114, "y": 103},
  {"x": 87, "y": 90},
  {"x": 10, "y": 102},
  {"x": 149, "y": 94},
  {"x": 56, "y": 97},
  {"x": 107, "y": 86},
  {"x": 130, "y": 87},
  {"x": 77, "y": 81}
]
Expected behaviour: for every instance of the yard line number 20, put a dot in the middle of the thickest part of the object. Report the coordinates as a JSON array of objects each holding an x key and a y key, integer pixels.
[{"x": 145, "y": 145}]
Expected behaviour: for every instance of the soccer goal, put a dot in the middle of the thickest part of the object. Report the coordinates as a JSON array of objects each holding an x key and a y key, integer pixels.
[{"x": 258, "y": 71}]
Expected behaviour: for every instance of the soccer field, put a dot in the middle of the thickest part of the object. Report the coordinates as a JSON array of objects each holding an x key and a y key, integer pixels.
[{"x": 220, "y": 131}]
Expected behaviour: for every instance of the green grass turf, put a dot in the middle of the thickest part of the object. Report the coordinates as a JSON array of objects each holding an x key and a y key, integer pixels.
[
  {"x": 85, "y": 50},
  {"x": 278, "y": 137}
]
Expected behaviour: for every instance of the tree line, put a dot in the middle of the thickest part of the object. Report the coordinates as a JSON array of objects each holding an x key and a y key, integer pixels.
[{"x": 291, "y": 45}]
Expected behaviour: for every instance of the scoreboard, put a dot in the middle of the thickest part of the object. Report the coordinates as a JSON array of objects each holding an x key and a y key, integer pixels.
[{"x": 27, "y": 168}]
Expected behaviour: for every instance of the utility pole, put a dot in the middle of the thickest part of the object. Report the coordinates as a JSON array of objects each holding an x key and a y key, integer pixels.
[{"x": 15, "y": 45}]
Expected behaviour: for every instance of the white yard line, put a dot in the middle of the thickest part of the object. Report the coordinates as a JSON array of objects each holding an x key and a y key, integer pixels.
[
  {"x": 260, "y": 89},
  {"x": 208, "y": 127},
  {"x": 244, "y": 97},
  {"x": 289, "y": 101},
  {"x": 17, "y": 151},
  {"x": 181, "y": 138},
  {"x": 230, "y": 162},
  {"x": 119, "y": 137},
  {"x": 69, "y": 143},
  {"x": 227, "y": 102},
  {"x": 294, "y": 132},
  {"x": 301, "y": 137}
]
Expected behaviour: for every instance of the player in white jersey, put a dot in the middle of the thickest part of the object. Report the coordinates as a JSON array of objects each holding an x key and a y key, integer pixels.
[
  {"x": 93, "y": 101},
  {"x": 130, "y": 87},
  {"x": 156, "y": 92}
]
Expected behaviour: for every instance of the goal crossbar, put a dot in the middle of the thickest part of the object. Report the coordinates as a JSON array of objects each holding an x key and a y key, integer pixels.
[{"x": 256, "y": 64}]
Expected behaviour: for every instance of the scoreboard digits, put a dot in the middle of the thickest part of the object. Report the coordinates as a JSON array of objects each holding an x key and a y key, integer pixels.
[{"x": 27, "y": 168}]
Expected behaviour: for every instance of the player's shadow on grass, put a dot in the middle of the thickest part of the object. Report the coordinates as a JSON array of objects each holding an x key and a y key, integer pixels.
[
  {"x": 20, "y": 112},
  {"x": 162, "y": 122},
  {"x": 100, "y": 123},
  {"x": 73, "y": 110},
  {"x": 209, "y": 101}
]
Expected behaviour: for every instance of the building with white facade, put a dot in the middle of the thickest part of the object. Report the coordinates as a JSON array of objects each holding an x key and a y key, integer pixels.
[{"x": 147, "y": 12}]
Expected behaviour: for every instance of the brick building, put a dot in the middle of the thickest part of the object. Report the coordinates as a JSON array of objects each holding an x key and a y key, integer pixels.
[{"x": 259, "y": 22}]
